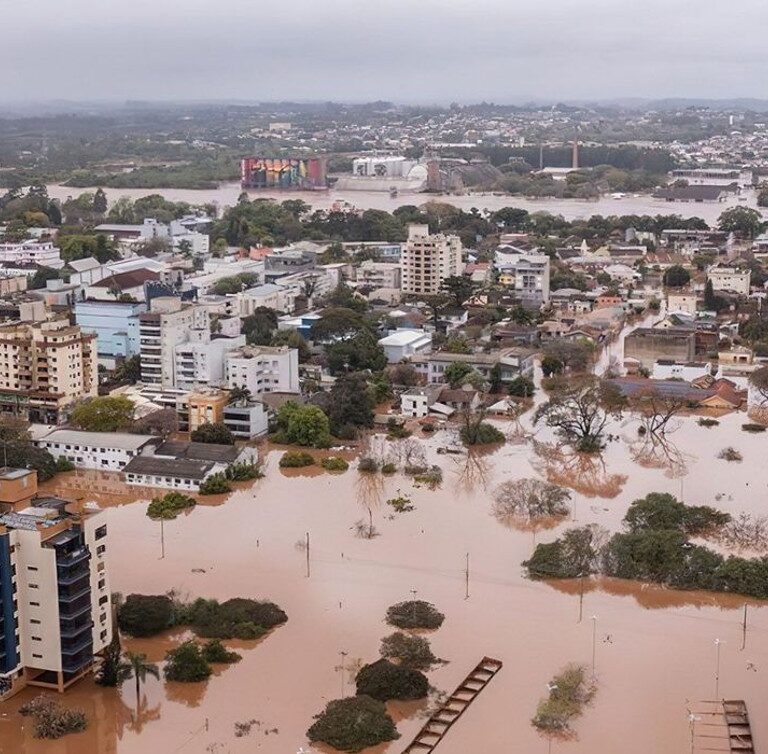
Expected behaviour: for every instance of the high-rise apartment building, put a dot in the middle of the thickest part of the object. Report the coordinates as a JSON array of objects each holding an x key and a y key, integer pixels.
[
  {"x": 168, "y": 324},
  {"x": 426, "y": 260},
  {"x": 55, "y": 613},
  {"x": 44, "y": 367},
  {"x": 263, "y": 369}
]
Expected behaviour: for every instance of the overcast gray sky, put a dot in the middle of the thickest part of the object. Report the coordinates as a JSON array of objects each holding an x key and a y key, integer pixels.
[{"x": 402, "y": 50}]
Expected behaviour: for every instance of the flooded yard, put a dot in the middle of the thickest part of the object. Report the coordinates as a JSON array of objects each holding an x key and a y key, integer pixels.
[{"x": 654, "y": 649}]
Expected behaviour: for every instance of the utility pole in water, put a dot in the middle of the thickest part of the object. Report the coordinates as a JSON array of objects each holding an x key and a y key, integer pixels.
[{"x": 466, "y": 574}]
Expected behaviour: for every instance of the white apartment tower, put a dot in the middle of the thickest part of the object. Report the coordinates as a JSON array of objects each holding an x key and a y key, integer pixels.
[
  {"x": 168, "y": 324},
  {"x": 426, "y": 260},
  {"x": 263, "y": 369}
]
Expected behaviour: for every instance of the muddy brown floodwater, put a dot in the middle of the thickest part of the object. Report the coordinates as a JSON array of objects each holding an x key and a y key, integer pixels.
[{"x": 654, "y": 651}]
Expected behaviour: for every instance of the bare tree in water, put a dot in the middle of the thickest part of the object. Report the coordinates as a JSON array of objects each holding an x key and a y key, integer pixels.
[
  {"x": 657, "y": 451},
  {"x": 657, "y": 410},
  {"x": 579, "y": 409},
  {"x": 473, "y": 470}
]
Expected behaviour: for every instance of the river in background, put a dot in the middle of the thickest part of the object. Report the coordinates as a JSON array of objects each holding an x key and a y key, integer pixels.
[
  {"x": 571, "y": 209},
  {"x": 655, "y": 650}
]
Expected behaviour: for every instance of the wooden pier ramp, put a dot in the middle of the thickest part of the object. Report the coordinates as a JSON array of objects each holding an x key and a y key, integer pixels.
[
  {"x": 441, "y": 721},
  {"x": 722, "y": 726}
]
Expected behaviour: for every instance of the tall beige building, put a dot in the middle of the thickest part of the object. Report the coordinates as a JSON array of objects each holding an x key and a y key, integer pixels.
[
  {"x": 44, "y": 367},
  {"x": 55, "y": 614},
  {"x": 426, "y": 260}
]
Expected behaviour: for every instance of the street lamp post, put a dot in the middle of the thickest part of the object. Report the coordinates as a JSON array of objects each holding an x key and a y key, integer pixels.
[{"x": 718, "y": 642}]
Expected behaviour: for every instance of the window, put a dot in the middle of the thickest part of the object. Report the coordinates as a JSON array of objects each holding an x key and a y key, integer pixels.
[
  {"x": 34, "y": 586},
  {"x": 39, "y": 657},
  {"x": 102, "y": 583},
  {"x": 34, "y": 620},
  {"x": 101, "y": 532},
  {"x": 101, "y": 549},
  {"x": 31, "y": 568},
  {"x": 103, "y": 600},
  {"x": 103, "y": 635},
  {"x": 36, "y": 638},
  {"x": 34, "y": 604}
]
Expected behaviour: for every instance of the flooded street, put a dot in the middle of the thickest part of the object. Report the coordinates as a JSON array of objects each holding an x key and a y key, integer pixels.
[
  {"x": 654, "y": 648},
  {"x": 571, "y": 209}
]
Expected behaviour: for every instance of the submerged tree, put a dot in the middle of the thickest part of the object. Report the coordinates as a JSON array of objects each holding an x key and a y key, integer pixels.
[
  {"x": 579, "y": 410},
  {"x": 530, "y": 499},
  {"x": 656, "y": 409}
]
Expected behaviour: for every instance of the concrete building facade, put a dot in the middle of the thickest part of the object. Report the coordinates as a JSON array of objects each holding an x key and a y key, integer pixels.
[
  {"x": 116, "y": 326},
  {"x": 427, "y": 260},
  {"x": 729, "y": 279},
  {"x": 167, "y": 324},
  {"x": 263, "y": 369},
  {"x": 55, "y": 613},
  {"x": 44, "y": 367}
]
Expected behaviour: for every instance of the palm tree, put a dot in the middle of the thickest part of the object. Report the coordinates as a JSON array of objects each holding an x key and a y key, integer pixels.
[
  {"x": 239, "y": 395},
  {"x": 138, "y": 668}
]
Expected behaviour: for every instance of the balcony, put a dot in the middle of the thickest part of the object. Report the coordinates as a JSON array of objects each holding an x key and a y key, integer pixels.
[
  {"x": 74, "y": 629},
  {"x": 70, "y": 577},
  {"x": 71, "y": 559},
  {"x": 77, "y": 663},
  {"x": 81, "y": 589},
  {"x": 71, "y": 609},
  {"x": 69, "y": 649}
]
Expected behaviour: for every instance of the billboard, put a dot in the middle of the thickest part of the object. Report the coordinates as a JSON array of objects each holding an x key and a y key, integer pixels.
[{"x": 304, "y": 173}]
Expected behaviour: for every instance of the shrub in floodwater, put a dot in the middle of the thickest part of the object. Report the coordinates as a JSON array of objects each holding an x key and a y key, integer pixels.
[
  {"x": 414, "y": 614},
  {"x": 660, "y": 510},
  {"x": 576, "y": 553},
  {"x": 569, "y": 693},
  {"x": 296, "y": 459},
  {"x": 186, "y": 663},
  {"x": 389, "y": 468},
  {"x": 432, "y": 476},
  {"x": 169, "y": 505},
  {"x": 704, "y": 422},
  {"x": 428, "y": 427},
  {"x": 51, "y": 719},
  {"x": 481, "y": 434},
  {"x": 398, "y": 432},
  {"x": 730, "y": 454},
  {"x": 401, "y": 503},
  {"x": 353, "y": 724},
  {"x": 243, "y": 471},
  {"x": 368, "y": 465},
  {"x": 383, "y": 680},
  {"x": 334, "y": 463},
  {"x": 410, "y": 651},
  {"x": 753, "y": 427},
  {"x": 216, "y": 484},
  {"x": 145, "y": 614},
  {"x": 215, "y": 652},
  {"x": 237, "y": 618}
]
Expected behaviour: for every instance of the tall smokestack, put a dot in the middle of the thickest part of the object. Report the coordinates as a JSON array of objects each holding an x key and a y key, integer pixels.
[{"x": 575, "y": 162}]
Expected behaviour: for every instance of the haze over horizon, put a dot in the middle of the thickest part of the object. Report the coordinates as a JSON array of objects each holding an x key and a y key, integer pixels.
[{"x": 427, "y": 51}]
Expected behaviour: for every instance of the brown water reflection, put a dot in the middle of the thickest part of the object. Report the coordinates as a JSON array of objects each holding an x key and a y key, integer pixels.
[
  {"x": 652, "y": 596},
  {"x": 582, "y": 472},
  {"x": 656, "y": 658}
]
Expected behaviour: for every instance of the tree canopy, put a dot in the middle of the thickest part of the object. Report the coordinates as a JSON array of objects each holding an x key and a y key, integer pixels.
[{"x": 103, "y": 414}]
